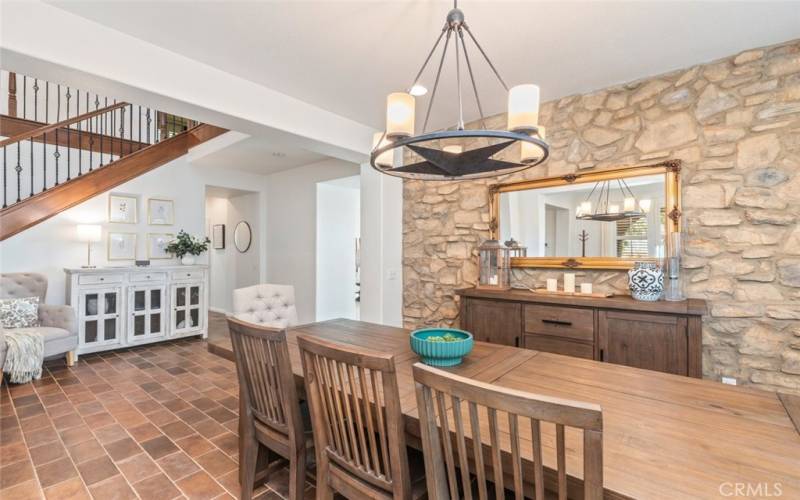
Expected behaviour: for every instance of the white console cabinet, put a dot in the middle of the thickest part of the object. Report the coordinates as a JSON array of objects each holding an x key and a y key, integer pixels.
[{"x": 127, "y": 306}]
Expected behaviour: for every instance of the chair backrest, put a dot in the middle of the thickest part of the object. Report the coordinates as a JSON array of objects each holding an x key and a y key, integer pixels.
[
  {"x": 16, "y": 285},
  {"x": 266, "y": 304},
  {"x": 355, "y": 411},
  {"x": 265, "y": 377},
  {"x": 452, "y": 400}
]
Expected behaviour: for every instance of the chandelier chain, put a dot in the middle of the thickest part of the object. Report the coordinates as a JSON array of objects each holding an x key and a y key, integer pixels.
[
  {"x": 436, "y": 82},
  {"x": 489, "y": 61}
]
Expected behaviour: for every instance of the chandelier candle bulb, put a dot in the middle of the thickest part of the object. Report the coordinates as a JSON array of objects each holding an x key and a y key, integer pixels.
[
  {"x": 523, "y": 108},
  {"x": 644, "y": 205},
  {"x": 629, "y": 205},
  {"x": 613, "y": 209},
  {"x": 552, "y": 285},
  {"x": 399, "y": 115},
  {"x": 569, "y": 282},
  {"x": 586, "y": 288},
  {"x": 385, "y": 159}
]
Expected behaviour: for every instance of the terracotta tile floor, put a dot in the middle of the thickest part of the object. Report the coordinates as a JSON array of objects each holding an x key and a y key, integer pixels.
[{"x": 152, "y": 422}]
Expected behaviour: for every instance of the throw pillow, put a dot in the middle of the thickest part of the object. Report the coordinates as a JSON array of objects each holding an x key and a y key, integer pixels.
[{"x": 19, "y": 313}]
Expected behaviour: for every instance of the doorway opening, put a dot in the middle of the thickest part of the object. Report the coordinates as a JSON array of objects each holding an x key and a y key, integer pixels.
[{"x": 338, "y": 248}]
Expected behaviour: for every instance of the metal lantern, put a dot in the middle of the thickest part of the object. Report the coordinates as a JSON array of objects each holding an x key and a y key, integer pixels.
[
  {"x": 494, "y": 264},
  {"x": 515, "y": 249}
]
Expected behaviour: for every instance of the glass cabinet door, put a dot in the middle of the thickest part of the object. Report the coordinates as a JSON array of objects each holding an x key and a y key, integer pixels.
[
  {"x": 187, "y": 308},
  {"x": 99, "y": 317},
  {"x": 147, "y": 315}
]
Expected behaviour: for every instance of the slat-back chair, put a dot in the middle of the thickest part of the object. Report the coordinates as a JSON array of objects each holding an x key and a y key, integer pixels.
[
  {"x": 270, "y": 418},
  {"x": 358, "y": 428},
  {"x": 450, "y": 444}
]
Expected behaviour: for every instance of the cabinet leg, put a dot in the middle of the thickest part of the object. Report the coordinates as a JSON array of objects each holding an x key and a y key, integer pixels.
[{"x": 71, "y": 357}]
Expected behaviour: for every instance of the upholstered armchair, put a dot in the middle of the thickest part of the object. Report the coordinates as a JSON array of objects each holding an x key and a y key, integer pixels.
[
  {"x": 266, "y": 305},
  {"x": 57, "y": 324}
]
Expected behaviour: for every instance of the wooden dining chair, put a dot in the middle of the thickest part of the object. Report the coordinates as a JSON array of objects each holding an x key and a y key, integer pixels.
[
  {"x": 446, "y": 402},
  {"x": 359, "y": 435},
  {"x": 270, "y": 418}
]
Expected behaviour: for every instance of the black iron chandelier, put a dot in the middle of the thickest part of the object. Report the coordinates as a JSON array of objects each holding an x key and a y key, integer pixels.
[
  {"x": 599, "y": 205},
  {"x": 459, "y": 153}
]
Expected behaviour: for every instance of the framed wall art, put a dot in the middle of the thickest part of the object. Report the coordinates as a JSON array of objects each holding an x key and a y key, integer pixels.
[
  {"x": 122, "y": 209},
  {"x": 121, "y": 246},
  {"x": 157, "y": 244},
  {"x": 218, "y": 236},
  {"x": 160, "y": 212}
]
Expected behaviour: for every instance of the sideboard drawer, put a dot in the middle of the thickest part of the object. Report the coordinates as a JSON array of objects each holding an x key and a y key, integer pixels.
[
  {"x": 555, "y": 345},
  {"x": 567, "y": 322},
  {"x": 100, "y": 279},
  {"x": 187, "y": 275},
  {"x": 148, "y": 277}
]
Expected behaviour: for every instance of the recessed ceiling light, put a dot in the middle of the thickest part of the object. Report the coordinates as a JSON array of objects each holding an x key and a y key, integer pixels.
[{"x": 417, "y": 90}]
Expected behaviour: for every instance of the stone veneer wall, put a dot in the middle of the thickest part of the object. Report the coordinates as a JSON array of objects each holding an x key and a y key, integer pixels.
[{"x": 736, "y": 125}]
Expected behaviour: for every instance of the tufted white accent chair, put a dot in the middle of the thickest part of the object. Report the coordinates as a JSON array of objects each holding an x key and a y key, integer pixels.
[{"x": 266, "y": 305}]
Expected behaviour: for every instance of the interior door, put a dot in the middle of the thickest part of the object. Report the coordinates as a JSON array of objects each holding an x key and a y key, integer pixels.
[{"x": 649, "y": 341}]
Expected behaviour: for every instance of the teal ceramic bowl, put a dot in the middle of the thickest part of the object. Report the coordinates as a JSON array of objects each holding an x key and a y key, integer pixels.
[{"x": 441, "y": 353}]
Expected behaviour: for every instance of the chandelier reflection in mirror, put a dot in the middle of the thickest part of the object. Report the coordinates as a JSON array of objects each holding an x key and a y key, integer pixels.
[
  {"x": 602, "y": 205},
  {"x": 459, "y": 153}
]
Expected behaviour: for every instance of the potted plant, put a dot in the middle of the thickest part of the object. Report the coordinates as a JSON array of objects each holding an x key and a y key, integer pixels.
[{"x": 186, "y": 247}]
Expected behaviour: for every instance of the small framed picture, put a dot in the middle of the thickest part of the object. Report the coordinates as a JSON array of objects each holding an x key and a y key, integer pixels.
[
  {"x": 160, "y": 212},
  {"x": 121, "y": 246},
  {"x": 122, "y": 209},
  {"x": 218, "y": 236},
  {"x": 157, "y": 244}
]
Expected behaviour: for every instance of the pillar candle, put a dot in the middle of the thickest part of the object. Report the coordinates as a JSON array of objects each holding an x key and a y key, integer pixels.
[
  {"x": 586, "y": 288},
  {"x": 569, "y": 282},
  {"x": 552, "y": 285}
]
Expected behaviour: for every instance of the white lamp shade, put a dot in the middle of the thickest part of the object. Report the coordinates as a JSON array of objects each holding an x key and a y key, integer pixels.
[
  {"x": 89, "y": 232},
  {"x": 585, "y": 208},
  {"x": 399, "y": 115},
  {"x": 523, "y": 108},
  {"x": 629, "y": 205},
  {"x": 385, "y": 159},
  {"x": 644, "y": 205},
  {"x": 529, "y": 152}
]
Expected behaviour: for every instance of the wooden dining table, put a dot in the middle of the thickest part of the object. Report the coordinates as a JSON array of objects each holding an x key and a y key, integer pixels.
[{"x": 664, "y": 436}]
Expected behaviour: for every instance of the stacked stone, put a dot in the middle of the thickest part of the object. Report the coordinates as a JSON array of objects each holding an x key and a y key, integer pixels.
[{"x": 735, "y": 123}]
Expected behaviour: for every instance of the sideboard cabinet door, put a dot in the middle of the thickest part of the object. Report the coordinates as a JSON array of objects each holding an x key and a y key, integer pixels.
[
  {"x": 99, "y": 317},
  {"x": 187, "y": 308},
  {"x": 650, "y": 341},
  {"x": 493, "y": 321}
]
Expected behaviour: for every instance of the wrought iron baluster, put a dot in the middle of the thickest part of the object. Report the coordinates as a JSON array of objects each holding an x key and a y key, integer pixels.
[
  {"x": 91, "y": 133},
  {"x": 78, "y": 127},
  {"x": 36, "y": 99},
  {"x": 44, "y": 136},
  {"x": 121, "y": 130},
  {"x": 130, "y": 128},
  {"x": 139, "y": 146},
  {"x": 31, "y": 147},
  {"x": 69, "y": 133},
  {"x": 57, "y": 154},
  {"x": 113, "y": 132},
  {"x": 18, "y": 169},
  {"x": 5, "y": 179}
]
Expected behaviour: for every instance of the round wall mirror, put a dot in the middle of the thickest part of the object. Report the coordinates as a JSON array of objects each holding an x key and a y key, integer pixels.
[{"x": 242, "y": 236}]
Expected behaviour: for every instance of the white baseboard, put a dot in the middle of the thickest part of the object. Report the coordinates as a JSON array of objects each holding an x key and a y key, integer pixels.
[{"x": 219, "y": 310}]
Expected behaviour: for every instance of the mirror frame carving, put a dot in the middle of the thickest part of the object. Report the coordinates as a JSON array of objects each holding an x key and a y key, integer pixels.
[{"x": 672, "y": 198}]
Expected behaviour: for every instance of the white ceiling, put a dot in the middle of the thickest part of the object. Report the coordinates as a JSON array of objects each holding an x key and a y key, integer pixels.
[
  {"x": 345, "y": 56},
  {"x": 259, "y": 156}
]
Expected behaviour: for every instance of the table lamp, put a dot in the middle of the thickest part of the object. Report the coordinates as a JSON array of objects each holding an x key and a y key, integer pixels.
[{"x": 89, "y": 233}]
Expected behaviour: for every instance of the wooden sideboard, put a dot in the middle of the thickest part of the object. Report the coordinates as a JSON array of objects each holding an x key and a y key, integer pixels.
[
  {"x": 126, "y": 306},
  {"x": 661, "y": 336}
]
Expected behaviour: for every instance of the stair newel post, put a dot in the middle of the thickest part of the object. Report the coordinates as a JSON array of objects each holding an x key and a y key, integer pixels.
[
  {"x": 12, "y": 94},
  {"x": 57, "y": 154},
  {"x": 69, "y": 133}
]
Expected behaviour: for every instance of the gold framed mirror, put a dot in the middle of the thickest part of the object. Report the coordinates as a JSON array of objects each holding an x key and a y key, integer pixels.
[{"x": 594, "y": 220}]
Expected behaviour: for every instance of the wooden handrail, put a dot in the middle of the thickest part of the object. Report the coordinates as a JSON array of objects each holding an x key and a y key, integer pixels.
[{"x": 63, "y": 123}]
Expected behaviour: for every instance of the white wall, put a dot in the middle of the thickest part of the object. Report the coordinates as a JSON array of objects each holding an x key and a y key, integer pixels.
[
  {"x": 51, "y": 246},
  {"x": 338, "y": 227},
  {"x": 291, "y": 219},
  {"x": 381, "y": 247}
]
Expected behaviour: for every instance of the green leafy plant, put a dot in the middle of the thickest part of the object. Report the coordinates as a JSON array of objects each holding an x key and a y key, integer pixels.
[{"x": 185, "y": 244}]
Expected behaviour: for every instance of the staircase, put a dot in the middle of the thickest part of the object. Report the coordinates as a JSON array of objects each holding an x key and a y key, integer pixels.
[{"x": 64, "y": 146}]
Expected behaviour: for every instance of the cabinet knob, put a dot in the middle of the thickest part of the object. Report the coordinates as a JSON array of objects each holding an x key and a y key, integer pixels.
[{"x": 102, "y": 279}]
